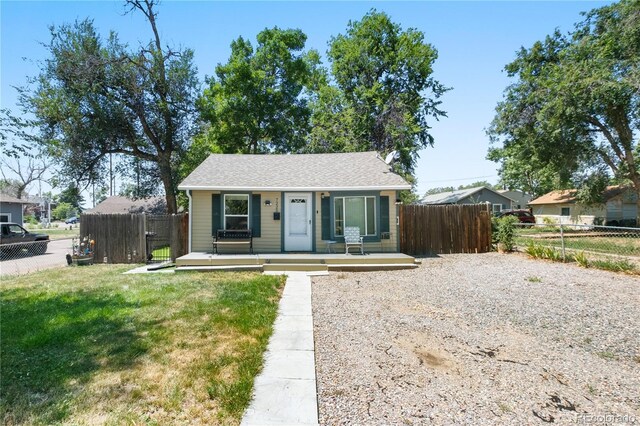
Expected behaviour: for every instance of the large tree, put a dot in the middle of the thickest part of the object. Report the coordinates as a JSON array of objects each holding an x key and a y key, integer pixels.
[
  {"x": 574, "y": 108},
  {"x": 386, "y": 93},
  {"x": 94, "y": 98},
  {"x": 257, "y": 102}
]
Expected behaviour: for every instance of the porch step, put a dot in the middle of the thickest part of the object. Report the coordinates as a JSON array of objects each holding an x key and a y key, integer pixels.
[
  {"x": 294, "y": 267},
  {"x": 369, "y": 260},
  {"x": 355, "y": 267},
  {"x": 235, "y": 268}
]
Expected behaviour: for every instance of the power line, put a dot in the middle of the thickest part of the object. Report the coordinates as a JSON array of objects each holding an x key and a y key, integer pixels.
[{"x": 459, "y": 179}]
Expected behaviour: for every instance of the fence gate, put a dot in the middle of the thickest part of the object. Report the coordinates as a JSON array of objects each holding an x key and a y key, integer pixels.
[
  {"x": 445, "y": 229},
  {"x": 158, "y": 237}
]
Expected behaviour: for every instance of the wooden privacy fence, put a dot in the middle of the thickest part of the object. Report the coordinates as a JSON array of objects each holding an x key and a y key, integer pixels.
[
  {"x": 464, "y": 228},
  {"x": 122, "y": 238}
]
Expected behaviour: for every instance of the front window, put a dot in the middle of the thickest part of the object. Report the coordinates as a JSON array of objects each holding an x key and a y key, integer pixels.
[
  {"x": 497, "y": 208},
  {"x": 236, "y": 211},
  {"x": 565, "y": 211},
  {"x": 355, "y": 211}
]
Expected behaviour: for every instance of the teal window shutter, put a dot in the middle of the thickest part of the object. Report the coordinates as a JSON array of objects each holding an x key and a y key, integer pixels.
[
  {"x": 384, "y": 214},
  {"x": 325, "y": 215},
  {"x": 255, "y": 215},
  {"x": 216, "y": 213}
]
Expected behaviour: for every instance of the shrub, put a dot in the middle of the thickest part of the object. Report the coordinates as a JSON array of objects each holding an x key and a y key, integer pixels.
[
  {"x": 506, "y": 232},
  {"x": 548, "y": 221}
]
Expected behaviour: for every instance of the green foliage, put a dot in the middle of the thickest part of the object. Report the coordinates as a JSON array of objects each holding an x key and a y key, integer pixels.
[
  {"x": 385, "y": 94},
  {"x": 71, "y": 195},
  {"x": 505, "y": 232},
  {"x": 581, "y": 259},
  {"x": 257, "y": 103},
  {"x": 591, "y": 192},
  {"x": 615, "y": 265},
  {"x": 63, "y": 211},
  {"x": 31, "y": 220},
  {"x": 96, "y": 97},
  {"x": 573, "y": 108}
]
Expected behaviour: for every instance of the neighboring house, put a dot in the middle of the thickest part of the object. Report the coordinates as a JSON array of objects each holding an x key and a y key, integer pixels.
[
  {"x": 11, "y": 209},
  {"x": 124, "y": 205},
  {"x": 478, "y": 195},
  {"x": 520, "y": 199},
  {"x": 619, "y": 208},
  {"x": 296, "y": 202}
]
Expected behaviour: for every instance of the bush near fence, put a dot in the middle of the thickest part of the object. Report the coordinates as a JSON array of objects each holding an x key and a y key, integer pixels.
[{"x": 591, "y": 241}]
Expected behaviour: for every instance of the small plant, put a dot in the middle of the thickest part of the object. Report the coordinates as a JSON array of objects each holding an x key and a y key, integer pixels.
[
  {"x": 606, "y": 355},
  {"x": 534, "y": 279},
  {"x": 504, "y": 407},
  {"x": 506, "y": 233},
  {"x": 534, "y": 250},
  {"x": 621, "y": 265},
  {"x": 552, "y": 254},
  {"x": 581, "y": 259}
]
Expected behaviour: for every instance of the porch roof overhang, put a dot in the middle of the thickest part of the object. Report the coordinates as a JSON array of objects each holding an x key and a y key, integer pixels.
[{"x": 291, "y": 189}]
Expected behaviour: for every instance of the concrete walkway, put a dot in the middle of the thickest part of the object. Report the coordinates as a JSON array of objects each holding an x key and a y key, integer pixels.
[{"x": 285, "y": 391}]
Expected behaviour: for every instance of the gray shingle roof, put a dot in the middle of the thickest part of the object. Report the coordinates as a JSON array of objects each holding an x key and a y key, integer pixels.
[
  {"x": 4, "y": 198},
  {"x": 123, "y": 205},
  {"x": 452, "y": 197},
  {"x": 341, "y": 171}
]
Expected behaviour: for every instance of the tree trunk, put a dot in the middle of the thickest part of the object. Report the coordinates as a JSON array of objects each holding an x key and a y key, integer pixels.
[{"x": 166, "y": 175}]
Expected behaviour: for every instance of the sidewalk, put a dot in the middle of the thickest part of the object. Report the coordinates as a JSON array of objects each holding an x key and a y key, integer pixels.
[{"x": 285, "y": 391}]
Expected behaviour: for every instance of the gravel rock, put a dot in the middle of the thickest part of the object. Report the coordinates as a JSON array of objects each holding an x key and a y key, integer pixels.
[{"x": 479, "y": 339}]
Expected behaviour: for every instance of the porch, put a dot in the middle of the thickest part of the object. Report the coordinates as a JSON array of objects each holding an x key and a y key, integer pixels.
[{"x": 200, "y": 261}]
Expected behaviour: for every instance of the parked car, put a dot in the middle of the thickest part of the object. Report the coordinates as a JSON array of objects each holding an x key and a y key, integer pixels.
[
  {"x": 72, "y": 220},
  {"x": 524, "y": 216},
  {"x": 14, "y": 238}
]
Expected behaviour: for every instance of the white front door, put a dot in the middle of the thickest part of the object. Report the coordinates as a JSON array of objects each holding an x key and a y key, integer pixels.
[{"x": 297, "y": 221}]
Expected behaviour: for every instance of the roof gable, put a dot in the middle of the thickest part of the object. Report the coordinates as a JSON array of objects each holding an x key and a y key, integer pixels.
[
  {"x": 286, "y": 172},
  {"x": 453, "y": 197}
]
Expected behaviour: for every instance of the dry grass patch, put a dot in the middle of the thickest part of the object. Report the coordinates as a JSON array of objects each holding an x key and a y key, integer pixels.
[{"x": 93, "y": 346}]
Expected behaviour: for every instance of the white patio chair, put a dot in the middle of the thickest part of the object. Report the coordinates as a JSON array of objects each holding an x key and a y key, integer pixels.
[{"x": 352, "y": 238}]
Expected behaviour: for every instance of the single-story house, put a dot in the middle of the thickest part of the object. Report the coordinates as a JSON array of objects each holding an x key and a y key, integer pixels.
[
  {"x": 294, "y": 202},
  {"x": 619, "y": 208},
  {"x": 520, "y": 198},
  {"x": 124, "y": 205},
  {"x": 477, "y": 195},
  {"x": 11, "y": 209}
]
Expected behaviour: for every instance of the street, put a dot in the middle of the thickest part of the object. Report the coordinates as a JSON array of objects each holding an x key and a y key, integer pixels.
[{"x": 53, "y": 258}]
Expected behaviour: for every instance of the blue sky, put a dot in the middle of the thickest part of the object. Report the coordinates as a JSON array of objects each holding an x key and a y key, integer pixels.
[{"x": 474, "y": 41}]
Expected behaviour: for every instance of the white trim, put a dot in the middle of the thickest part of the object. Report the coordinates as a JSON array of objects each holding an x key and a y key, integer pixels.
[
  {"x": 8, "y": 216},
  {"x": 292, "y": 189},
  {"x": 190, "y": 218}
]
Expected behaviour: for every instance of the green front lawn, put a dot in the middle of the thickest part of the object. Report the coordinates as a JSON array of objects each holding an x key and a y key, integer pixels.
[{"x": 90, "y": 345}]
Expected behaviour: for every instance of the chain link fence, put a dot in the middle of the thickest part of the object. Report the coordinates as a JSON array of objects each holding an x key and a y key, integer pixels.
[
  {"x": 592, "y": 242},
  {"x": 26, "y": 257}
]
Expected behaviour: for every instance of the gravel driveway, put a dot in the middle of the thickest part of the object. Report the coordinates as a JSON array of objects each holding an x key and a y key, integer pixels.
[{"x": 479, "y": 339}]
